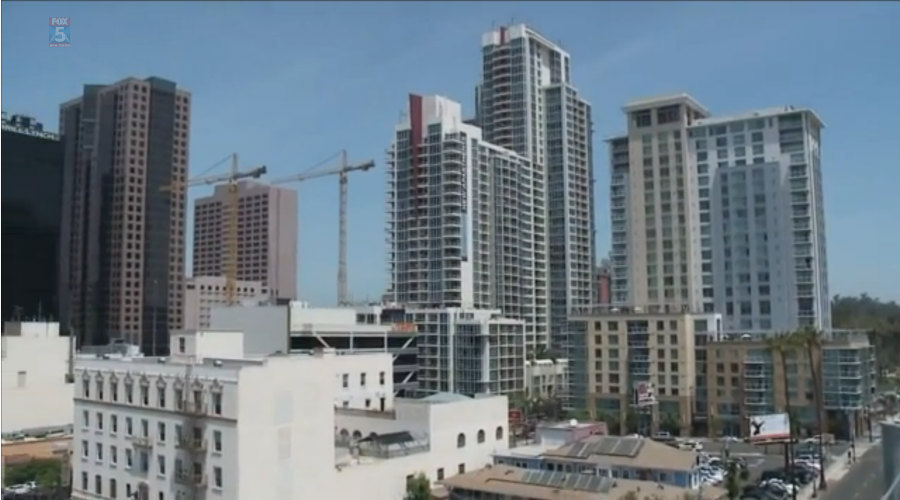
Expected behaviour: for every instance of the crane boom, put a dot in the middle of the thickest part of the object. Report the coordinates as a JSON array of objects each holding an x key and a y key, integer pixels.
[
  {"x": 341, "y": 171},
  {"x": 231, "y": 238}
]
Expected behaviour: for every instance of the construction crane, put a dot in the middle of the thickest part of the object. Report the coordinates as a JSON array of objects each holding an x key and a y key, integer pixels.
[
  {"x": 231, "y": 208},
  {"x": 341, "y": 171}
]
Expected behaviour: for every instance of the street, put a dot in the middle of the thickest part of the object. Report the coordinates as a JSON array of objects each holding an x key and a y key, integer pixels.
[{"x": 864, "y": 481}]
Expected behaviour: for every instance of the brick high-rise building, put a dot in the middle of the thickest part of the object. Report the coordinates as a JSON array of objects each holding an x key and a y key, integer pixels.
[
  {"x": 267, "y": 236},
  {"x": 122, "y": 234}
]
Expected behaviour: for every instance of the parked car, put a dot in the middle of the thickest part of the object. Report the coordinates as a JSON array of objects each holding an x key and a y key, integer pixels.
[{"x": 663, "y": 437}]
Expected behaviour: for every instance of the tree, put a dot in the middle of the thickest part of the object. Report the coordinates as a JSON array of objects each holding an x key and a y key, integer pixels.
[
  {"x": 784, "y": 345},
  {"x": 732, "y": 482},
  {"x": 43, "y": 471},
  {"x": 670, "y": 423},
  {"x": 880, "y": 319},
  {"x": 418, "y": 488},
  {"x": 812, "y": 341}
]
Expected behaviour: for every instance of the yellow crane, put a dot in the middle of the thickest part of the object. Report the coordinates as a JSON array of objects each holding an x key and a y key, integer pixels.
[
  {"x": 341, "y": 171},
  {"x": 231, "y": 212}
]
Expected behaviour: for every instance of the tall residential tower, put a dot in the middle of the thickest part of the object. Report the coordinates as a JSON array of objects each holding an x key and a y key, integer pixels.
[
  {"x": 122, "y": 235},
  {"x": 720, "y": 214},
  {"x": 526, "y": 103},
  {"x": 465, "y": 218}
]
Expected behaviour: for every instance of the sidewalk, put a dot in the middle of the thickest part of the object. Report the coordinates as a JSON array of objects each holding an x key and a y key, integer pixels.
[{"x": 838, "y": 468}]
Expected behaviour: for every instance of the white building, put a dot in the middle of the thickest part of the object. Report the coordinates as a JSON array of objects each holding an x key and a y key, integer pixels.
[
  {"x": 363, "y": 329},
  {"x": 479, "y": 243},
  {"x": 37, "y": 391},
  {"x": 469, "y": 351},
  {"x": 546, "y": 378},
  {"x": 202, "y": 293},
  {"x": 720, "y": 214},
  {"x": 527, "y": 103},
  {"x": 211, "y": 422}
]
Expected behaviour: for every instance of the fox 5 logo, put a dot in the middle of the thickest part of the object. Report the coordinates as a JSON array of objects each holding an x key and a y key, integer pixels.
[{"x": 59, "y": 31}]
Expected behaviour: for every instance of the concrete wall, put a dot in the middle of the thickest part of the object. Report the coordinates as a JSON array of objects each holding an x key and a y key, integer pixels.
[
  {"x": 265, "y": 327},
  {"x": 379, "y": 384},
  {"x": 35, "y": 392}
]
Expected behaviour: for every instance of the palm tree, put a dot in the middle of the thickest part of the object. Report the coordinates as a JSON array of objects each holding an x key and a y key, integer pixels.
[
  {"x": 812, "y": 341},
  {"x": 732, "y": 482},
  {"x": 783, "y": 345}
]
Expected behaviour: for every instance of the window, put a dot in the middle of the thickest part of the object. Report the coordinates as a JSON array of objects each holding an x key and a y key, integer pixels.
[
  {"x": 381, "y": 378},
  {"x": 84, "y": 481},
  {"x": 20, "y": 379},
  {"x": 129, "y": 393},
  {"x": 181, "y": 344},
  {"x": 129, "y": 458},
  {"x": 461, "y": 440},
  {"x": 99, "y": 421},
  {"x": 362, "y": 379},
  {"x": 127, "y": 490},
  {"x": 161, "y": 464},
  {"x": 462, "y": 468},
  {"x": 480, "y": 435},
  {"x": 345, "y": 380},
  {"x": 217, "y": 477},
  {"x": 161, "y": 431},
  {"x": 99, "y": 452},
  {"x": 145, "y": 428},
  {"x": 85, "y": 452},
  {"x": 161, "y": 396},
  {"x": 98, "y": 484},
  {"x": 128, "y": 427},
  {"x": 86, "y": 391},
  {"x": 145, "y": 396},
  {"x": 368, "y": 402},
  {"x": 85, "y": 419},
  {"x": 440, "y": 474},
  {"x": 499, "y": 433},
  {"x": 113, "y": 455},
  {"x": 217, "y": 441},
  {"x": 113, "y": 424},
  {"x": 113, "y": 489},
  {"x": 217, "y": 403},
  {"x": 100, "y": 389}
]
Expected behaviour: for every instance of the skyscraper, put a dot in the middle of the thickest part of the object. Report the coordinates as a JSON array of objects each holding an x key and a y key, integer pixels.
[
  {"x": 32, "y": 192},
  {"x": 267, "y": 236},
  {"x": 526, "y": 103},
  {"x": 720, "y": 214},
  {"x": 122, "y": 258},
  {"x": 465, "y": 219}
]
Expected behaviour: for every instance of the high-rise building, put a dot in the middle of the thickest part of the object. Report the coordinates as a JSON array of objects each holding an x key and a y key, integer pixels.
[
  {"x": 526, "y": 103},
  {"x": 465, "y": 219},
  {"x": 32, "y": 168},
  {"x": 122, "y": 257},
  {"x": 603, "y": 282},
  {"x": 720, "y": 214},
  {"x": 267, "y": 236}
]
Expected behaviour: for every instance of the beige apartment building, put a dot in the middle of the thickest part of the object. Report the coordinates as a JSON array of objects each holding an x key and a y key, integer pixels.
[
  {"x": 627, "y": 347},
  {"x": 203, "y": 293},
  {"x": 123, "y": 204},
  {"x": 267, "y": 236}
]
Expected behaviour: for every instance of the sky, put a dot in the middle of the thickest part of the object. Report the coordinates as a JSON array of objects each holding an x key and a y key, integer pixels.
[{"x": 289, "y": 84}]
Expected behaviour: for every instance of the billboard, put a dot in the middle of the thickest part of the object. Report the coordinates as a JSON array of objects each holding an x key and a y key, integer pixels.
[
  {"x": 770, "y": 427},
  {"x": 644, "y": 393}
]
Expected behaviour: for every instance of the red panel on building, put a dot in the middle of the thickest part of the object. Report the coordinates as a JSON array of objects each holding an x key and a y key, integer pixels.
[{"x": 415, "y": 141}]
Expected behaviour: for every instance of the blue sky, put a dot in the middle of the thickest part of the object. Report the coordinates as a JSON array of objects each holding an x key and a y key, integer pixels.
[{"x": 289, "y": 84}]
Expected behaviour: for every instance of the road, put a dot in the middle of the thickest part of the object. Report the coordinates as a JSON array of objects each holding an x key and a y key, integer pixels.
[{"x": 864, "y": 481}]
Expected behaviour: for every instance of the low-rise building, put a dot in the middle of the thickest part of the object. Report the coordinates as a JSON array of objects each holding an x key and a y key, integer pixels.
[
  {"x": 469, "y": 351},
  {"x": 611, "y": 456},
  {"x": 546, "y": 378},
  {"x": 616, "y": 350},
  {"x": 210, "y": 420},
  {"x": 202, "y": 293},
  {"x": 502, "y": 482},
  {"x": 37, "y": 385}
]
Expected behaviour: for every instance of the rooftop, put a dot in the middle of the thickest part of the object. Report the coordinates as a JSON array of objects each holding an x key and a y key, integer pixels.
[
  {"x": 550, "y": 485},
  {"x": 757, "y": 113},
  {"x": 627, "y": 451},
  {"x": 663, "y": 100}
]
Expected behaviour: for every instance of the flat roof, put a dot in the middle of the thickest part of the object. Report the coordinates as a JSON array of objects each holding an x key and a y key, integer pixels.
[
  {"x": 515, "y": 482},
  {"x": 756, "y": 113},
  {"x": 663, "y": 100}
]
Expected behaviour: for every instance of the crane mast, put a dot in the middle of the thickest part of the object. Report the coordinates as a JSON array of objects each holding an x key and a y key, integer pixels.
[{"x": 342, "y": 171}]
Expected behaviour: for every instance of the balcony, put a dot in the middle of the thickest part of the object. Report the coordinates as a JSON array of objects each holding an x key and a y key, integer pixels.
[
  {"x": 188, "y": 478},
  {"x": 194, "y": 445},
  {"x": 141, "y": 442}
]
